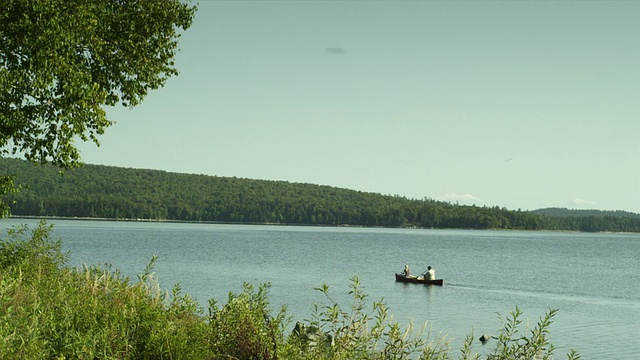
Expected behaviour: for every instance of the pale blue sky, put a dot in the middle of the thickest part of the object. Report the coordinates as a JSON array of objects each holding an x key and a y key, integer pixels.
[{"x": 516, "y": 104}]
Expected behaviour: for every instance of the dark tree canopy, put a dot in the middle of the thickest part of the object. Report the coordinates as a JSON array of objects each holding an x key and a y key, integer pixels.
[
  {"x": 96, "y": 191},
  {"x": 62, "y": 62}
]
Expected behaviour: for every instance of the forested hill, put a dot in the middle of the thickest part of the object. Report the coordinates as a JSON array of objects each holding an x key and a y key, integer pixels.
[
  {"x": 97, "y": 191},
  {"x": 564, "y": 212}
]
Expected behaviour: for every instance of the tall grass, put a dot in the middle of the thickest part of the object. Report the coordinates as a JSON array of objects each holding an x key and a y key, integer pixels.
[{"x": 49, "y": 310}]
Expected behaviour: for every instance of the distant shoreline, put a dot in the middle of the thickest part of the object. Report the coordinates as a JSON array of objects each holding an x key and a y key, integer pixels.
[
  {"x": 190, "y": 221},
  {"x": 271, "y": 224}
]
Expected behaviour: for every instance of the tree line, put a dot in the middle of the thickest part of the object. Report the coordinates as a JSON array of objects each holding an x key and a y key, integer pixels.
[{"x": 97, "y": 191}]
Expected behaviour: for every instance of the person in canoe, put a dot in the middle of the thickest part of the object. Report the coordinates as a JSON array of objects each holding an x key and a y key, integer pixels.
[
  {"x": 429, "y": 274},
  {"x": 406, "y": 272}
]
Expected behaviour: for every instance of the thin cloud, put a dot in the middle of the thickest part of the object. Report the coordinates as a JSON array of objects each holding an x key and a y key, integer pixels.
[
  {"x": 335, "y": 50},
  {"x": 464, "y": 199},
  {"x": 580, "y": 203}
]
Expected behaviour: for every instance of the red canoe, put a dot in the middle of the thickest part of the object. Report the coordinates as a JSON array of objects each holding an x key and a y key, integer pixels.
[{"x": 415, "y": 280}]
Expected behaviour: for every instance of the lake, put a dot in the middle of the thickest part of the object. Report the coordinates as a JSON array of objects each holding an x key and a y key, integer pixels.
[{"x": 591, "y": 278}]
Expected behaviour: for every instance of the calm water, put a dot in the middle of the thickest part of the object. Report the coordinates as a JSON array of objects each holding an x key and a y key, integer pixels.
[{"x": 593, "y": 279}]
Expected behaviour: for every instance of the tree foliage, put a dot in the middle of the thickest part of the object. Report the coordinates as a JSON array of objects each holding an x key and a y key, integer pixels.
[
  {"x": 96, "y": 191},
  {"x": 62, "y": 62},
  {"x": 564, "y": 212}
]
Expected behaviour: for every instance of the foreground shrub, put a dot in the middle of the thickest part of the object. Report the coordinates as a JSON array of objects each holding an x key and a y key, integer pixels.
[
  {"x": 49, "y": 310},
  {"x": 358, "y": 333},
  {"x": 52, "y": 311},
  {"x": 243, "y": 328}
]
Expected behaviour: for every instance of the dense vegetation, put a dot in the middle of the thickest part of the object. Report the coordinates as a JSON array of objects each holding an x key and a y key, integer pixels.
[
  {"x": 564, "y": 212},
  {"x": 49, "y": 310},
  {"x": 62, "y": 63},
  {"x": 118, "y": 193}
]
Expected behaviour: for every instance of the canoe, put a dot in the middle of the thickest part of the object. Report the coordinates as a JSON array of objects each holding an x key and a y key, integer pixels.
[{"x": 415, "y": 280}]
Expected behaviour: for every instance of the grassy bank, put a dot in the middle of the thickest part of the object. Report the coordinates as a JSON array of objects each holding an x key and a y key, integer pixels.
[{"x": 49, "y": 310}]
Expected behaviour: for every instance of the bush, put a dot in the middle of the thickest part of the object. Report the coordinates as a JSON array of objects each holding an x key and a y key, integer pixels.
[
  {"x": 243, "y": 328},
  {"x": 50, "y": 310}
]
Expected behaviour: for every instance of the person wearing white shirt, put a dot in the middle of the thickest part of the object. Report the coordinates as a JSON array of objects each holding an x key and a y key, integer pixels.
[{"x": 430, "y": 274}]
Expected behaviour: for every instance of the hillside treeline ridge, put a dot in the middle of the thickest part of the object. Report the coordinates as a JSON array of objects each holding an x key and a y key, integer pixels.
[
  {"x": 98, "y": 191},
  {"x": 561, "y": 212}
]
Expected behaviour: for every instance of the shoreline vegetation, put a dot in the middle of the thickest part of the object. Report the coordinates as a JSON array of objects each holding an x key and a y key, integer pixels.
[
  {"x": 105, "y": 192},
  {"x": 49, "y": 310}
]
